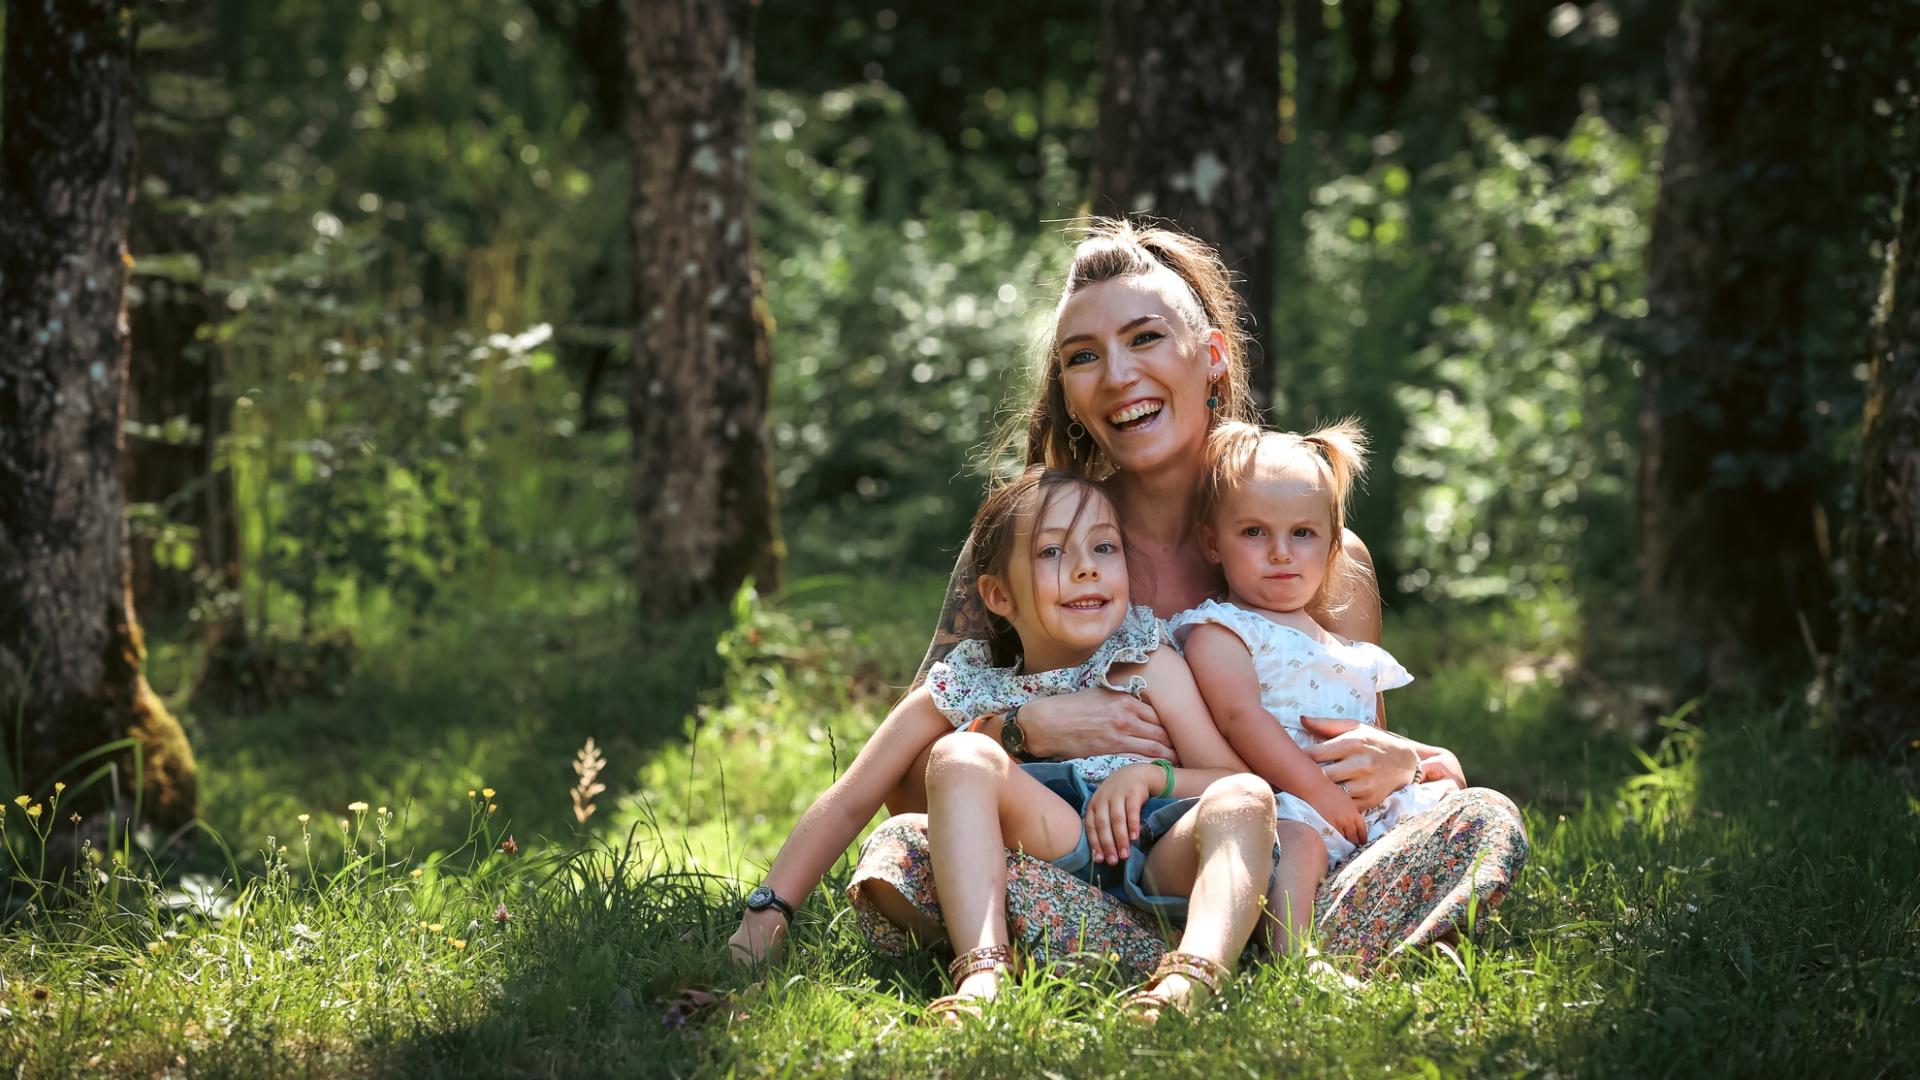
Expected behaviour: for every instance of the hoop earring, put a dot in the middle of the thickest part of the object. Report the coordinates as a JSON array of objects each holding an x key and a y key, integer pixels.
[
  {"x": 1213, "y": 398},
  {"x": 1075, "y": 432}
]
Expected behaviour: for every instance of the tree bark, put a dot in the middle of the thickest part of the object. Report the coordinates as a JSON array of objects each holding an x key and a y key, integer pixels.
[
  {"x": 1730, "y": 542},
  {"x": 1189, "y": 131},
  {"x": 175, "y": 418},
  {"x": 1880, "y": 704},
  {"x": 698, "y": 402},
  {"x": 70, "y": 649}
]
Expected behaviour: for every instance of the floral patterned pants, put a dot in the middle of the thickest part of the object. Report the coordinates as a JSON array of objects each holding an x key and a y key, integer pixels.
[{"x": 1414, "y": 886}]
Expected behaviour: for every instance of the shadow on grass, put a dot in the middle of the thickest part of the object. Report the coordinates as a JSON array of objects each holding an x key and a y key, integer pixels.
[
  {"x": 1767, "y": 913},
  {"x": 492, "y": 699}
]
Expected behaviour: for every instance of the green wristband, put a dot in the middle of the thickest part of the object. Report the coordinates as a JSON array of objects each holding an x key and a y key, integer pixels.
[{"x": 1168, "y": 766}]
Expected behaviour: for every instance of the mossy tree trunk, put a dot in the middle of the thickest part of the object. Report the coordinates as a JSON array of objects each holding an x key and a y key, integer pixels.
[
  {"x": 1189, "y": 131},
  {"x": 70, "y": 650},
  {"x": 175, "y": 415},
  {"x": 1880, "y": 703},
  {"x": 698, "y": 399},
  {"x": 1730, "y": 555}
]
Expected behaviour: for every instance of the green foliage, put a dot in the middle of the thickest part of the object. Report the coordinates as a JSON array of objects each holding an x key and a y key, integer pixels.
[
  {"x": 901, "y": 318},
  {"x": 1469, "y": 315}
]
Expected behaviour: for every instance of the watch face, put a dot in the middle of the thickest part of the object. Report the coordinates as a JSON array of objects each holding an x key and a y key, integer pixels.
[{"x": 760, "y": 898}]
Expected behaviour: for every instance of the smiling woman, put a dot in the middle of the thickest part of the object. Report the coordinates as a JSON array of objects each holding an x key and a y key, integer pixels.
[{"x": 1144, "y": 360}]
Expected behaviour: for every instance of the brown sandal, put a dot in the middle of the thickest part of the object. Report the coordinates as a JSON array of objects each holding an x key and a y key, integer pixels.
[
  {"x": 957, "y": 1008},
  {"x": 1146, "y": 1004}
]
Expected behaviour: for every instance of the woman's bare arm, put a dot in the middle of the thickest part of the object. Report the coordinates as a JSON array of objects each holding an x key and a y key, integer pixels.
[{"x": 1350, "y": 606}]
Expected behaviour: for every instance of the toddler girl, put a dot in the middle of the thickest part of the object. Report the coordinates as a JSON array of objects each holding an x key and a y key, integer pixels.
[{"x": 1271, "y": 514}]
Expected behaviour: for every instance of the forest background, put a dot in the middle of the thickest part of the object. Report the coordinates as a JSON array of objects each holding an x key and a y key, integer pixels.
[{"x": 385, "y": 415}]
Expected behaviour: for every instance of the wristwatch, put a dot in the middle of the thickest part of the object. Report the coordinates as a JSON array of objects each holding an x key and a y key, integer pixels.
[
  {"x": 1012, "y": 739},
  {"x": 762, "y": 898}
]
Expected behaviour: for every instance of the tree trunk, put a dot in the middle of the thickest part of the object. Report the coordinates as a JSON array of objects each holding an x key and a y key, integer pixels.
[
  {"x": 174, "y": 417},
  {"x": 1880, "y": 704},
  {"x": 698, "y": 403},
  {"x": 1189, "y": 131},
  {"x": 70, "y": 650},
  {"x": 1730, "y": 541}
]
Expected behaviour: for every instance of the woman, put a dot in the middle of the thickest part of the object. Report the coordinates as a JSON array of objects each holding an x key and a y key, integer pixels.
[{"x": 1145, "y": 355}]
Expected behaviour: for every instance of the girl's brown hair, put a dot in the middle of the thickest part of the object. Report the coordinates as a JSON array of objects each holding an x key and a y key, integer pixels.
[
  {"x": 1113, "y": 249},
  {"x": 990, "y": 541},
  {"x": 1337, "y": 453}
]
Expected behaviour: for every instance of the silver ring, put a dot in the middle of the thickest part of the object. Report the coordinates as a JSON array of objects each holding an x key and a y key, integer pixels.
[{"x": 1343, "y": 787}]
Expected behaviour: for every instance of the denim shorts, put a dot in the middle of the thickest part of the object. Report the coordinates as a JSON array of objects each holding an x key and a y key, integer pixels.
[{"x": 1126, "y": 881}]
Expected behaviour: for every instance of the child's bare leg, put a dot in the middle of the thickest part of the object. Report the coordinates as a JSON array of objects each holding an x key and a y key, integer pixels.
[
  {"x": 1287, "y": 926},
  {"x": 978, "y": 803},
  {"x": 1225, "y": 848}
]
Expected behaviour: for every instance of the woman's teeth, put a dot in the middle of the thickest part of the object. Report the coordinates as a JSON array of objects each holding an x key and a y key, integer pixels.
[{"x": 1138, "y": 411}]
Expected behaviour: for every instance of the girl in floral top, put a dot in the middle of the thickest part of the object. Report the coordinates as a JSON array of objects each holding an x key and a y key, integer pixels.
[{"x": 1053, "y": 578}]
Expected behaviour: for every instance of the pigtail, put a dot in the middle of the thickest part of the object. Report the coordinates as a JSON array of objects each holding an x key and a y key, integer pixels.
[{"x": 1343, "y": 444}]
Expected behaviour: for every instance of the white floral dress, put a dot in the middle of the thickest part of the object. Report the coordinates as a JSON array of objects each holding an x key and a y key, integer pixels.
[
  {"x": 1302, "y": 676},
  {"x": 966, "y": 685}
]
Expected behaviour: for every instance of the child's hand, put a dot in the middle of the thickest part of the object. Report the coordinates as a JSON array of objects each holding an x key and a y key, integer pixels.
[
  {"x": 762, "y": 937},
  {"x": 1335, "y": 805},
  {"x": 1113, "y": 813}
]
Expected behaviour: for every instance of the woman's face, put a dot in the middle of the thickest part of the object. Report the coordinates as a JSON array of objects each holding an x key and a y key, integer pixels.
[{"x": 1134, "y": 374}]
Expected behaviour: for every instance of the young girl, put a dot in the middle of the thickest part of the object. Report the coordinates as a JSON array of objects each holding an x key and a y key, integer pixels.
[
  {"x": 1269, "y": 515},
  {"x": 1052, "y": 575},
  {"x": 1051, "y": 568}
]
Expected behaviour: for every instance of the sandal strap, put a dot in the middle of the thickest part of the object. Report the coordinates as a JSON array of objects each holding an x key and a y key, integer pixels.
[
  {"x": 1193, "y": 966},
  {"x": 984, "y": 958}
]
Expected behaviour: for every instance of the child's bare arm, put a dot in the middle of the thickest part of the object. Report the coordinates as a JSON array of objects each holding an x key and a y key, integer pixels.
[
  {"x": 1184, "y": 713},
  {"x": 1223, "y": 671},
  {"x": 839, "y": 813}
]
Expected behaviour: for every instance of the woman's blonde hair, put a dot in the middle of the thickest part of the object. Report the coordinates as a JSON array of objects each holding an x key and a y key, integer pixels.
[
  {"x": 1113, "y": 249},
  {"x": 1335, "y": 453}
]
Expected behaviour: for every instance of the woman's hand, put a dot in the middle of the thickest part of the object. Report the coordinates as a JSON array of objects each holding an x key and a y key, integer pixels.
[
  {"x": 1093, "y": 721},
  {"x": 1113, "y": 813},
  {"x": 762, "y": 937},
  {"x": 1369, "y": 763}
]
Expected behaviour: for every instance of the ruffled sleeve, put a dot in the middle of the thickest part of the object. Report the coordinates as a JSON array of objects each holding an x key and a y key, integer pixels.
[
  {"x": 966, "y": 686},
  {"x": 1388, "y": 673},
  {"x": 1251, "y": 629},
  {"x": 1139, "y": 635}
]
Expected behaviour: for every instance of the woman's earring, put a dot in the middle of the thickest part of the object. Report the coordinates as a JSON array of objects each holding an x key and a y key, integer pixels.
[
  {"x": 1213, "y": 398},
  {"x": 1075, "y": 432}
]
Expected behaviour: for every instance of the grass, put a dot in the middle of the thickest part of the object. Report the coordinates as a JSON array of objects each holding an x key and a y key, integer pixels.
[{"x": 1720, "y": 898}]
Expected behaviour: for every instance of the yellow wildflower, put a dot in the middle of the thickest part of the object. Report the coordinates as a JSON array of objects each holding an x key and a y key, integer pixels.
[
  {"x": 472, "y": 794},
  {"x": 357, "y": 807},
  {"x": 304, "y": 818},
  {"x": 491, "y": 807},
  {"x": 384, "y": 812},
  {"x": 487, "y": 791},
  {"x": 417, "y": 872},
  {"x": 458, "y": 943},
  {"x": 22, "y": 800},
  {"x": 436, "y": 927},
  {"x": 59, "y": 786},
  {"x": 33, "y": 811}
]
